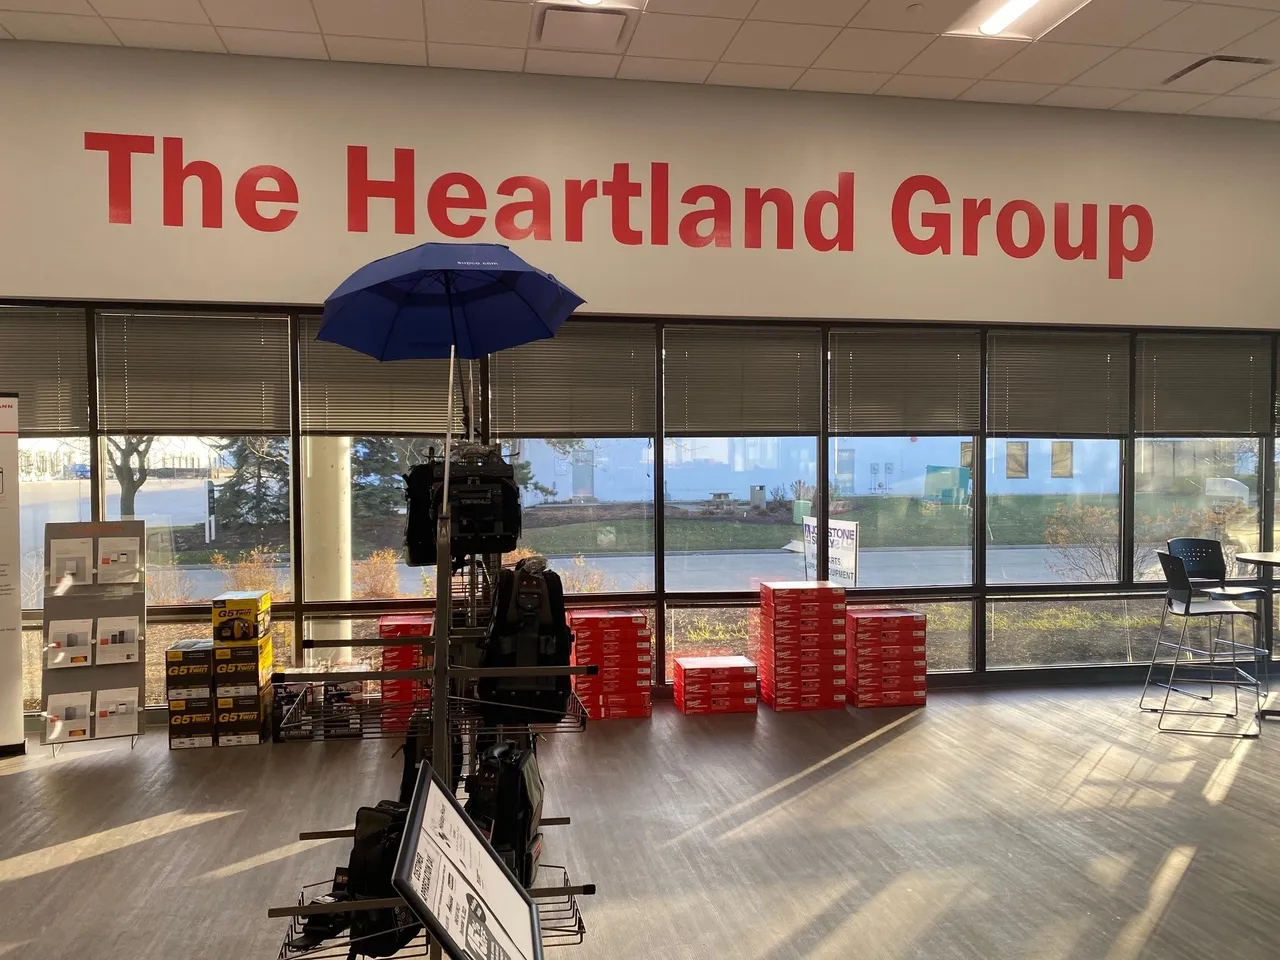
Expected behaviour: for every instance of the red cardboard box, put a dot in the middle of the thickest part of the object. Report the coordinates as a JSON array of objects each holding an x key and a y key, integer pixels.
[
  {"x": 891, "y": 651},
  {"x": 801, "y": 590},
  {"x": 804, "y": 655},
  {"x": 876, "y": 667},
  {"x": 804, "y": 643},
  {"x": 644, "y": 698},
  {"x": 633, "y": 648},
  {"x": 633, "y": 712},
  {"x": 394, "y": 626},
  {"x": 788, "y": 702},
  {"x": 620, "y": 661},
  {"x": 607, "y": 619},
  {"x": 771, "y": 608},
  {"x": 695, "y": 705},
  {"x": 712, "y": 668},
  {"x": 701, "y": 686},
  {"x": 899, "y": 682},
  {"x": 595, "y": 687},
  {"x": 890, "y": 698},
  {"x": 829, "y": 685},
  {"x": 589, "y": 635},
  {"x": 796, "y": 668}
]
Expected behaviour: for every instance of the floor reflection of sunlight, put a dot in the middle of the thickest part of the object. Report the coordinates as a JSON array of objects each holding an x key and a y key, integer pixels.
[
  {"x": 12, "y": 765},
  {"x": 270, "y": 856},
  {"x": 1224, "y": 775},
  {"x": 1133, "y": 938},
  {"x": 1109, "y": 870},
  {"x": 11, "y": 947},
  {"x": 1110, "y": 776},
  {"x": 60, "y": 855},
  {"x": 889, "y": 923},
  {"x": 1057, "y": 941}
]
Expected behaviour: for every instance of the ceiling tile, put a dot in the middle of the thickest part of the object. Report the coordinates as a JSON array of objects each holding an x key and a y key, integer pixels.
[
  {"x": 1218, "y": 76},
  {"x": 1204, "y": 28},
  {"x": 753, "y": 75},
  {"x": 1050, "y": 62},
  {"x": 376, "y": 50},
  {"x": 779, "y": 44},
  {"x": 831, "y": 13},
  {"x": 673, "y": 71},
  {"x": 702, "y": 8},
  {"x": 962, "y": 57},
  {"x": 1237, "y": 107},
  {"x": 389, "y": 19},
  {"x": 57, "y": 28},
  {"x": 1255, "y": 4},
  {"x": 167, "y": 36},
  {"x": 273, "y": 43},
  {"x": 460, "y": 56},
  {"x": 80, "y": 7},
  {"x": 1115, "y": 23},
  {"x": 1007, "y": 91},
  {"x": 877, "y": 51},
  {"x": 934, "y": 88},
  {"x": 1086, "y": 98},
  {"x": 910, "y": 15},
  {"x": 1260, "y": 43},
  {"x": 259, "y": 15},
  {"x": 170, "y": 11},
  {"x": 682, "y": 38},
  {"x": 1133, "y": 69},
  {"x": 841, "y": 81},
  {"x": 490, "y": 23},
  {"x": 1162, "y": 101},
  {"x": 572, "y": 64},
  {"x": 1266, "y": 86}
]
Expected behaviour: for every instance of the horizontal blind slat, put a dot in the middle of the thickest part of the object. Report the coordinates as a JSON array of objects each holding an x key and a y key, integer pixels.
[
  {"x": 1057, "y": 384},
  {"x": 346, "y": 392},
  {"x": 904, "y": 382},
  {"x": 193, "y": 375},
  {"x": 728, "y": 381},
  {"x": 43, "y": 358},
  {"x": 1203, "y": 384},
  {"x": 589, "y": 380}
]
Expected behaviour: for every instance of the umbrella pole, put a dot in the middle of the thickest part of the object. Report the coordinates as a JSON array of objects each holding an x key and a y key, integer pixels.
[{"x": 440, "y": 754}]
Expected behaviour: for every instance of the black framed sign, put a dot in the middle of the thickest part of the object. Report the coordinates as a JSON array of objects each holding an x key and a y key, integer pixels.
[{"x": 453, "y": 880}]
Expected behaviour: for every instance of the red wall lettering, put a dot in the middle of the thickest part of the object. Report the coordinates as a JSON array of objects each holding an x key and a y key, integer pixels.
[
  {"x": 250, "y": 193},
  {"x": 174, "y": 175},
  {"x": 974, "y": 212},
  {"x": 441, "y": 203},
  {"x": 360, "y": 189},
  {"x": 538, "y": 206},
  {"x": 120, "y": 148},
  {"x": 622, "y": 188},
  {"x": 842, "y": 200},
  {"x": 1088, "y": 245},
  {"x": 1035, "y": 229},
  {"x": 660, "y": 204},
  {"x": 784, "y": 214},
  {"x": 576, "y": 195},
  {"x": 720, "y": 217},
  {"x": 939, "y": 224},
  {"x": 1118, "y": 253}
]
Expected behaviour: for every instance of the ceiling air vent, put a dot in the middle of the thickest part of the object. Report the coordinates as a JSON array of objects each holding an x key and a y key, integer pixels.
[{"x": 598, "y": 29}]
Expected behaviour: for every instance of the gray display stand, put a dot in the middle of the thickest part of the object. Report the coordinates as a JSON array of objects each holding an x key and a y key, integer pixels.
[{"x": 93, "y": 660}]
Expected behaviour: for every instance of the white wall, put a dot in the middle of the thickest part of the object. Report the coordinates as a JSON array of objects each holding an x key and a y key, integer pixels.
[{"x": 1207, "y": 185}]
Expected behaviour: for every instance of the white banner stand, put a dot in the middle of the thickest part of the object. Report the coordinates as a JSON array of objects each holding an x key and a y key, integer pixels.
[{"x": 12, "y": 737}]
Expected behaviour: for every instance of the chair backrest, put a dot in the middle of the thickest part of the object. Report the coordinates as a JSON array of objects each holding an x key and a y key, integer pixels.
[
  {"x": 1175, "y": 573},
  {"x": 1202, "y": 558}
]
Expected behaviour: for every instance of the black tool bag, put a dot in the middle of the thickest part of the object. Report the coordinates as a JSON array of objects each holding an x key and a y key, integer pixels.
[
  {"x": 528, "y": 629},
  {"x": 417, "y": 748},
  {"x": 484, "y": 501},
  {"x": 378, "y": 933},
  {"x": 504, "y": 799}
]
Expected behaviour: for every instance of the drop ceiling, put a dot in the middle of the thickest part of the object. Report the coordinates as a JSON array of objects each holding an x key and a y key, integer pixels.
[{"x": 1111, "y": 55}]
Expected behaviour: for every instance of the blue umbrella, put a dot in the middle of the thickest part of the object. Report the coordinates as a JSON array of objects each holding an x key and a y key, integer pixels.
[{"x": 442, "y": 300}]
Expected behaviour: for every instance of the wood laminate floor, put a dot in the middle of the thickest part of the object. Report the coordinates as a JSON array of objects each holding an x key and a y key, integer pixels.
[{"x": 1054, "y": 825}]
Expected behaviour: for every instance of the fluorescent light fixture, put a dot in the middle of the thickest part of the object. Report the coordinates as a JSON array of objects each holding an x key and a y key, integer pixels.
[
  {"x": 590, "y": 3},
  {"x": 1006, "y": 16},
  {"x": 1014, "y": 19}
]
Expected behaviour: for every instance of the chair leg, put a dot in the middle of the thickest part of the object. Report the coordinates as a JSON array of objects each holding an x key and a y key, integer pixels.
[
  {"x": 1173, "y": 670},
  {"x": 1155, "y": 652}
]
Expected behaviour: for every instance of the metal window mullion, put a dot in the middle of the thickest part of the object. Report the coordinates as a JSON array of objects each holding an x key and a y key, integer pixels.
[
  {"x": 295, "y": 489},
  {"x": 824, "y": 455},
  {"x": 97, "y": 482},
  {"x": 979, "y": 538},
  {"x": 1128, "y": 468},
  {"x": 659, "y": 512}
]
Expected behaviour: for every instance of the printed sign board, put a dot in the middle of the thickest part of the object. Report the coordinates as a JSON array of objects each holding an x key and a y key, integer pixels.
[{"x": 842, "y": 550}]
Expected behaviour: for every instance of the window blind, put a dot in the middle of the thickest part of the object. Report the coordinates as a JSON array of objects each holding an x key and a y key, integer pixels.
[
  {"x": 348, "y": 393},
  {"x": 592, "y": 379},
  {"x": 1050, "y": 384},
  {"x": 1203, "y": 385},
  {"x": 903, "y": 382},
  {"x": 193, "y": 375},
  {"x": 43, "y": 360},
  {"x": 742, "y": 380}
]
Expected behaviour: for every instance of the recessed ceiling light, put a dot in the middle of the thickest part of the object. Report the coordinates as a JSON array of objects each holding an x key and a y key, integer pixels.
[
  {"x": 1015, "y": 19},
  {"x": 590, "y": 3}
]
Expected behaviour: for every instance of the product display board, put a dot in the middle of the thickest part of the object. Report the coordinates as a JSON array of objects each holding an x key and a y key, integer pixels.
[
  {"x": 842, "y": 550},
  {"x": 457, "y": 886},
  {"x": 95, "y": 621},
  {"x": 12, "y": 737}
]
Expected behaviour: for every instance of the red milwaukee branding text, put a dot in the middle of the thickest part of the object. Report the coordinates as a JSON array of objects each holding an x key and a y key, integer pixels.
[{"x": 644, "y": 207}]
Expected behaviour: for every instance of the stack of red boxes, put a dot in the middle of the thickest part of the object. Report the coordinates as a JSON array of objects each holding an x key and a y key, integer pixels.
[
  {"x": 803, "y": 646},
  {"x": 887, "y": 662},
  {"x": 715, "y": 685},
  {"x": 400, "y": 697},
  {"x": 620, "y": 643}
]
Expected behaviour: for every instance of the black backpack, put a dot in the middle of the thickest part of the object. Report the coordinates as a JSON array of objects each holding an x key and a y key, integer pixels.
[
  {"x": 504, "y": 800},
  {"x": 417, "y": 747},
  {"x": 378, "y": 933},
  {"x": 527, "y": 629},
  {"x": 485, "y": 501}
]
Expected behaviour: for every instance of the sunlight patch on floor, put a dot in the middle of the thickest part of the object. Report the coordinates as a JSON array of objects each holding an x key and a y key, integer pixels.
[{"x": 1133, "y": 938}]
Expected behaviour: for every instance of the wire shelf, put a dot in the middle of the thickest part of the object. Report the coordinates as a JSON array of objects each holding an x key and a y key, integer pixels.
[{"x": 337, "y": 948}]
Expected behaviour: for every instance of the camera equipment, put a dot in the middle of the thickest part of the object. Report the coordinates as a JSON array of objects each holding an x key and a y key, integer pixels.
[{"x": 484, "y": 504}]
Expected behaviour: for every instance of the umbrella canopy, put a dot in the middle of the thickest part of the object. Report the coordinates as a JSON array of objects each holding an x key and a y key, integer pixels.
[{"x": 477, "y": 298}]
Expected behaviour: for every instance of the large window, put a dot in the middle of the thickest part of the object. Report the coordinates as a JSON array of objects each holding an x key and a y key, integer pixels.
[
  {"x": 1045, "y": 528},
  {"x": 1060, "y": 632},
  {"x": 56, "y": 488},
  {"x": 912, "y": 499}
]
